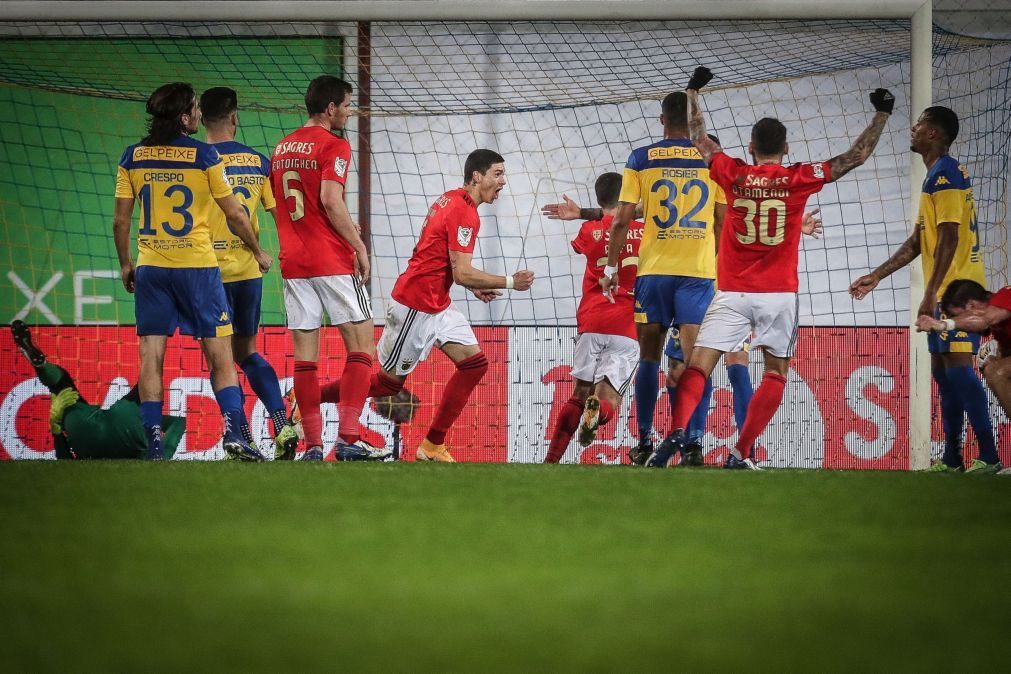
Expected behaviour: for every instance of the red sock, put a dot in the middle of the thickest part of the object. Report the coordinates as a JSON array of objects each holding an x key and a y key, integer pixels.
[
  {"x": 354, "y": 389},
  {"x": 454, "y": 397},
  {"x": 763, "y": 405},
  {"x": 606, "y": 412},
  {"x": 380, "y": 385},
  {"x": 307, "y": 395},
  {"x": 565, "y": 426},
  {"x": 689, "y": 392}
]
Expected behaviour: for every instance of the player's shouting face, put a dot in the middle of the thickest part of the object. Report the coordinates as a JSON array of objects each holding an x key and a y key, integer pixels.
[{"x": 491, "y": 182}]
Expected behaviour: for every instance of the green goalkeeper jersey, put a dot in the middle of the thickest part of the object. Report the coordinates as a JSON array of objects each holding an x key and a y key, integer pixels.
[{"x": 89, "y": 432}]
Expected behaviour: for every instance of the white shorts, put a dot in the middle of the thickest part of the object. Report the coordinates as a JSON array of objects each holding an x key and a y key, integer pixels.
[
  {"x": 733, "y": 315},
  {"x": 341, "y": 296},
  {"x": 410, "y": 334},
  {"x": 598, "y": 357}
]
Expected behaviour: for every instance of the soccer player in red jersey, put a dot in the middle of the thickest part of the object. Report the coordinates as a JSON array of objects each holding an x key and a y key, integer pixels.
[
  {"x": 324, "y": 263},
  {"x": 421, "y": 314},
  {"x": 606, "y": 350},
  {"x": 973, "y": 309},
  {"x": 757, "y": 265}
]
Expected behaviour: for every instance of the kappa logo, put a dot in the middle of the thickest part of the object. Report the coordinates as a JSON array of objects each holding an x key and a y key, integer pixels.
[
  {"x": 340, "y": 165},
  {"x": 941, "y": 180},
  {"x": 819, "y": 171},
  {"x": 224, "y": 316},
  {"x": 597, "y": 235},
  {"x": 463, "y": 235}
]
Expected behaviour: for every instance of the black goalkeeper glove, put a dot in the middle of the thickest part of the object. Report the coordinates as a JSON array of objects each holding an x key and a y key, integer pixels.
[
  {"x": 700, "y": 78},
  {"x": 883, "y": 100}
]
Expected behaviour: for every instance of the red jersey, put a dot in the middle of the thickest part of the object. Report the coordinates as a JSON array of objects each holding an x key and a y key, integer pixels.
[
  {"x": 309, "y": 244},
  {"x": 595, "y": 313},
  {"x": 1002, "y": 331},
  {"x": 761, "y": 232},
  {"x": 452, "y": 224}
]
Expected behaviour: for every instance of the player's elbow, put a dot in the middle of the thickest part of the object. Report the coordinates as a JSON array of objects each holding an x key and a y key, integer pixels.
[{"x": 462, "y": 277}]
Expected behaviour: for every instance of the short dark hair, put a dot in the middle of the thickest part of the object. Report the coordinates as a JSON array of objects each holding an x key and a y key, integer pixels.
[
  {"x": 768, "y": 137},
  {"x": 675, "y": 109},
  {"x": 608, "y": 189},
  {"x": 323, "y": 91},
  {"x": 944, "y": 120},
  {"x": 480, "y": 161},
  {"x": 713, "y": 138},
  {"x": 960, "y": 291},
  {"x": 217, "y": 103},
  {"x": 166, "y": 106}
]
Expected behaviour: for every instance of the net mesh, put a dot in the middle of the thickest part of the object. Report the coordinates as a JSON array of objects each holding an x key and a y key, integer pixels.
[{"x": 563, "y": 102}]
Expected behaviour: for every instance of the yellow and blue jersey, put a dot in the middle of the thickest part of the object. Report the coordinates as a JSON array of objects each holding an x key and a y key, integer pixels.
[
  {"x": 947, "y": 197},
  {"x": 176, "y": 184},
  {"x": 248, "y": 173},
  {"x": 672, "y": 181}
]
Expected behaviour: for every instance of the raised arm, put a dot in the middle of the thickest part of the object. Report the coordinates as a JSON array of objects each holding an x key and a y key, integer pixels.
[
  {"x": 696, "y": 122},
  {"x": 883, "y": 102}
]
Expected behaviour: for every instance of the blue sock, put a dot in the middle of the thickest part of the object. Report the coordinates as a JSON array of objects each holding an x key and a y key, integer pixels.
[
  {"x": 150, "y": 416},
  {"x": 740, "y": 382},
  {"x": 263, "y": 381},
  {"x": 952, "y": 418},
  {"x": 969, "y": 389},
  {"x": 230, "y": 403},
  {"x": 647, "y": 388},
  {"x": 697, "y": 424}
]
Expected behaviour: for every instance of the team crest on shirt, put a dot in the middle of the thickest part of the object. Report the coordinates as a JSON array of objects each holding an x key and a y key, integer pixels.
[
  {"x": 340, "y": 165},
  {"x": 463, "y": 235},
  {"x": 597, "y": 235},
  {"x": 405, "y": 364},
  {"x": 819, "y": 172}
]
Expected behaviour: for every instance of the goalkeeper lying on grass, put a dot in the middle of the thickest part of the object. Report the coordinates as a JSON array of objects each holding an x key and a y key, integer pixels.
[{"x": 84, "y": 431}]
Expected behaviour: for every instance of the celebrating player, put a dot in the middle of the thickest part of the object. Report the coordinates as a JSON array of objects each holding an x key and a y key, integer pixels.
[
  {"x": 324, "y": 264},
  {"x": 758, "y": 263},
  {"x": 973, "y": 309},
  {"x": 247, "y": 171},
  {"x": 677, "y": 258},
  {"x": 421, "y": 314},
  {"x": 84, "y": 431},
  {"x": 177, "y": 281},
  {"x": 946, "y": 237},
  {"x": 606, "y": 351}
]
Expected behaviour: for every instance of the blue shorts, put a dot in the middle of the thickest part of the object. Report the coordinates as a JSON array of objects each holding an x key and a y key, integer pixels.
[
  {"x": 244, "y": 304},
  {"x": 190, "y": 299},
  {"x": 670, "y": 300},
  {"x": 951, "y": 342}
]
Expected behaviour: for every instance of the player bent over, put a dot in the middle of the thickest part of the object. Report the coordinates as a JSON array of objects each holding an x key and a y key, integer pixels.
[
  {"x": 971, "y": 308},
  {"x": 946, "y": 240},
  {"x": 247, "y": 171},
  {"x": 421, "y": 314},
  {"x": 757, "y": 264},
  {"x": 177, "y": 283},
  {"x": 84, "y": 431},
  {"x": 606, "y": 351},
  {"x": 324, "y": 265}
]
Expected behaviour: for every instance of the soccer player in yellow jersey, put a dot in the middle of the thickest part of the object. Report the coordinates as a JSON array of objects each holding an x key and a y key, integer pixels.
[
  {"x": 176, "y": 280},
  {"x": 677, "y": 256},
  {"x": 947, "y": 240},
  {"x": 248, "y": 173}
]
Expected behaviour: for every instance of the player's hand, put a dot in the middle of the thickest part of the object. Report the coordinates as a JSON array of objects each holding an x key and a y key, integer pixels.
[
  {"x": 929, "y": 324},
  {"x": 487, "y": 296},
  {"x": 363, "y": 268},
  {"x": 358, "y": 228},
  {"x": 700, "y": 78},
  {"x": 860, "y": 288},
  {"x": 927, "y": 306},
  {"x": 264, "y": 260},
  {"x": 58, "y": 407},
  {"x": 883, "y": 100},
  {"x": 567, "y": 210},
  {"x": 609, "y": 285},
  {"x": 523, "y": 279},
  {"x": 128, "y": 273},
  {"x": 811, "y": 224}
]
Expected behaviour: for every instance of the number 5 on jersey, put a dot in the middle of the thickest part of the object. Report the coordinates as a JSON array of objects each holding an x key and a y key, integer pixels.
[{"x": 294, "y": 192}]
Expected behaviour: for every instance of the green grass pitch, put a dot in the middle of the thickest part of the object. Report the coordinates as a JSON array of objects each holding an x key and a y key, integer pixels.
[{"x": 182, "y": 566}]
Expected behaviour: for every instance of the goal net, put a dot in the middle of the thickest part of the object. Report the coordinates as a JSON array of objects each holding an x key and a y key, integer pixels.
[{"x": 563, "y": 102}]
